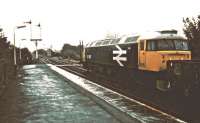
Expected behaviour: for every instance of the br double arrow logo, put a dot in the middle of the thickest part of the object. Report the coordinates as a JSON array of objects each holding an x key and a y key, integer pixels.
[{"x": 119, "y": 58}]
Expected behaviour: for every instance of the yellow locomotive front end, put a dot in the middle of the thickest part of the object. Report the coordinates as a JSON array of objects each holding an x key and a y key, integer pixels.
[
  {"x": 155, "y": 55},
  {"x": 155, "y": 52}
]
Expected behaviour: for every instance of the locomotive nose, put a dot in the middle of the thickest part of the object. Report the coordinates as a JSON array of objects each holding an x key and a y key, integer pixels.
[{"x": 175, "y": 56}]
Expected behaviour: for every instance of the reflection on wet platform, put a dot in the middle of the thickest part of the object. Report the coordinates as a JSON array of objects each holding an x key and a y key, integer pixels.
[{"x": 46, "y": 97}]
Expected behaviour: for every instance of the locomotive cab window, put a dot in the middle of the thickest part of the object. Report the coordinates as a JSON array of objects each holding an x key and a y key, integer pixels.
[
  {"x": 167, "y": 44},
  {"x": 151, "y": 45},
  {"x": 181, "y": 45}
]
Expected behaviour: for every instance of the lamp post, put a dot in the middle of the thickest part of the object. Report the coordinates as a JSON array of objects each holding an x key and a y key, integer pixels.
[
  {"x": 17, "y": 27},
  {"x": 20, "y": 53}
]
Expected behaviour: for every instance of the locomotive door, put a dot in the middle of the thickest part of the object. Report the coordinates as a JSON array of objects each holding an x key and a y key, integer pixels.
[{"x": 142, "y": 55}]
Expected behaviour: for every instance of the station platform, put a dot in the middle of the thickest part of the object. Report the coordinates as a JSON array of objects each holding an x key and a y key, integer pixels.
[
  {"x": 123, "y": 108},
  {"x": 45, "y": 97},
  {"x": 48, "y": 94}
]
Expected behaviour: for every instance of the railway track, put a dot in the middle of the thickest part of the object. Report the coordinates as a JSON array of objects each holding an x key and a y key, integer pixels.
[{"x": 169, "y": 103}]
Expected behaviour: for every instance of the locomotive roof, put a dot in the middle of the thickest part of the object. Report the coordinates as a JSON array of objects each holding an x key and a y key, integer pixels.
[
  {"x": 135, "y": 38},
  {"x": 158, "y": 35},
  {"x": 105, "y": 42}
]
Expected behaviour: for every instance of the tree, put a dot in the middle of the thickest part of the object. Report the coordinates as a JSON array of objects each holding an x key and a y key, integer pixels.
[
  {"x": 4, "y": 46},
  {"x": 192, "y": 32},
  {"x": 26, "y": 56},
  {"x": 69, "y": 51}
]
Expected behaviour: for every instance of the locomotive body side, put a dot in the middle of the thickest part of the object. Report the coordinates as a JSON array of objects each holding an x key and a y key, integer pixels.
[{"x": 106, "y": 56}]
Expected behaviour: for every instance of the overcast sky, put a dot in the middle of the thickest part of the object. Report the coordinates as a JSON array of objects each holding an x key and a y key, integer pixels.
[{"x": 68, "y": 21}]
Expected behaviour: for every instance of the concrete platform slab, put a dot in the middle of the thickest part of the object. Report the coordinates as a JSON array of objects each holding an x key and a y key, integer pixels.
[{"x": 48, "y": 98}]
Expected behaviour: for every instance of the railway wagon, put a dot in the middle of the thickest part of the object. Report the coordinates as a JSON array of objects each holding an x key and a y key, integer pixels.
[{"x": 148, "y": 57}]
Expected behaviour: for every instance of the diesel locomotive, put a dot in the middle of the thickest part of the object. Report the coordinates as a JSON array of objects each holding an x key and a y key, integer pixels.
[{"x": 162, "y": 59}]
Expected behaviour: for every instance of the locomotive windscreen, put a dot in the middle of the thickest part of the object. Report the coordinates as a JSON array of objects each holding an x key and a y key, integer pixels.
[{"x": 167, "y": 44}]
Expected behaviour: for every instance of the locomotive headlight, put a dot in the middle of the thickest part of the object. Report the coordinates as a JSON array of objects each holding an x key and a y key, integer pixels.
[
  {"x": 171, "y": 64},
  {"x": 177, "y": 69}
]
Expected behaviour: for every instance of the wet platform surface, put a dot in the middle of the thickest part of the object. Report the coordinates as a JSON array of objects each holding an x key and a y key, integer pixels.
[
  {"x": 44, "y": 97},
  {"x": 126, "y": 109}
]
